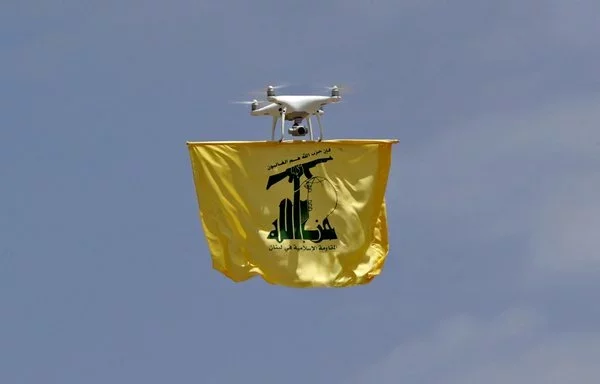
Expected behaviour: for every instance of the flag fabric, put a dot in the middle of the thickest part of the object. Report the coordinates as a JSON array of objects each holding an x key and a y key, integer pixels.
[{"x": 298, "y": 213}]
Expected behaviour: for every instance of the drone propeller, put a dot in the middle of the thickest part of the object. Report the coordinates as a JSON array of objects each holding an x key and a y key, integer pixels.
[
  {"x": 339, "y": 87},
  {"x": 269, "y": 88},
  {"x": 248, "y": 102},
  {"x": 254, "y": 104},
  {"x": 279, "y": 86}
]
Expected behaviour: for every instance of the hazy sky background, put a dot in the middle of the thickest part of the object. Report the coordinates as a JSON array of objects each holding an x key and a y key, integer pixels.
[{"x": 494, "y": 202}]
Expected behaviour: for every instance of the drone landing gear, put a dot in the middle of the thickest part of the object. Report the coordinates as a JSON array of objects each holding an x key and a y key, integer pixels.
[
  {"x": 320, "y": 127},
  {"x": 273, "y": 129},
  {"x": 310, "y": 131},
  {"x": 283, "y": 110}
]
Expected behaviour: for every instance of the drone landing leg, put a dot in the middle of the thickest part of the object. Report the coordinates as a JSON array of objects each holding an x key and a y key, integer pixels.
[
  {"x": 273, "y": 128},
  {"x": 282, "y": 124},
  {"x": 309, "y": 127},
  {"x": 320, "y": 128}
]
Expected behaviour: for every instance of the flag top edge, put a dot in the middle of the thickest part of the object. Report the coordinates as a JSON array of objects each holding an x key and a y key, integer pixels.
[{"x": 275, "y": 143}]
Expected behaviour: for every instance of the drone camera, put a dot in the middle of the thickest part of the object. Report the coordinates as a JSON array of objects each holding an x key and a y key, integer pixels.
[{"x": 298, "y": 130}]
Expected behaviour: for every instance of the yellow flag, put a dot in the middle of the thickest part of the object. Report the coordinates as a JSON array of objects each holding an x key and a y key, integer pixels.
[{"x": 299, "y": 214}]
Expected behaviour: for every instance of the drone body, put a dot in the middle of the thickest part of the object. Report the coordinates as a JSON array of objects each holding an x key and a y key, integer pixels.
[{"x": 295, "y": 108}]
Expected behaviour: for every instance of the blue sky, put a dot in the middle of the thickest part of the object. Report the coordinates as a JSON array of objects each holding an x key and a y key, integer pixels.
[{"x": 493, "y": 204}]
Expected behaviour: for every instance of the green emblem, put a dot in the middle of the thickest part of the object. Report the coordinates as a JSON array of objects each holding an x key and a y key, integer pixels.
[{"x": 293, "y": 216}]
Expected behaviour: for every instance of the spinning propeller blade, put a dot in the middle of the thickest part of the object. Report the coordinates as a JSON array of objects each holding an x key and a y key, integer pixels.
[
  {"x": 261, "y": 92},
  {"x": 248, "y": 102},
  {"x": 279, "y": 86},
  {"x": 342, "y": 87}
]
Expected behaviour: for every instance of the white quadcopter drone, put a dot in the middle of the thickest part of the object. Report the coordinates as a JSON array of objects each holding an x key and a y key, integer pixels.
[{"x": 294, "y": 108}]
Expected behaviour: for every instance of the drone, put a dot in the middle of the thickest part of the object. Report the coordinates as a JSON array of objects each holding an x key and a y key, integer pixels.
[{"x": 294, "y": 108}]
